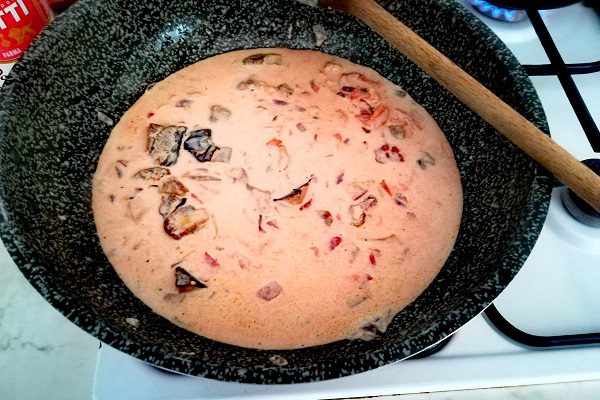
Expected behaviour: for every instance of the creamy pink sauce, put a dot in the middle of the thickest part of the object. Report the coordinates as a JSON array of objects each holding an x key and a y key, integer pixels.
[{"x": 375, "y": 214}]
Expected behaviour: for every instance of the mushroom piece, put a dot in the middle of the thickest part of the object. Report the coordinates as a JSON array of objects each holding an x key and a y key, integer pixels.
[
  {"x": 247, "y": 84},
  {"x": 152, "y": 174},
  {"x": 326, "y": 217},
  {"x": 358, "y": 215},
  {"x": 173, "y": 186},
  {"x": 184, "y": 221},
  {"x": 201, "y": 146},
  {"x": 296, "y": 196},
  {"x": 425, "y": 160},
  {"x": 164, "y": 142},
  {"x": 219, "y": 113},
  {"x": 285, "y": 89},
  {"x": 167, "y": 205},
  {"x": 184, "y": 281},
  {"x": 369, "y": 328},
  {"x": 358, "y": 211},
  {"x": 257, "y": 59}
]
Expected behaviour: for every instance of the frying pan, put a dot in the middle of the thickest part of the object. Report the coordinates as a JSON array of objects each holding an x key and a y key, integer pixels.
[{"x": 95, "y": 60}]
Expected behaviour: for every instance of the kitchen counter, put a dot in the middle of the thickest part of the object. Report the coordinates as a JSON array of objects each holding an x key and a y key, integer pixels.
[{"x": 45, "y": 356}]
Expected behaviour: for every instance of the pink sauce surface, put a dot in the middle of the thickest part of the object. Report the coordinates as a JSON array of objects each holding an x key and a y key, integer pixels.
[{"x": 331, "y": 199}]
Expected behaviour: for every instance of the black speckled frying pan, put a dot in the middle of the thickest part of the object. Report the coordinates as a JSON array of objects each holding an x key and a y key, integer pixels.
[{"x": 97, "y": 59}]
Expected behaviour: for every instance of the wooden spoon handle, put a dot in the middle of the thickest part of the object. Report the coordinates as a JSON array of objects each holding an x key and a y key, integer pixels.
[{"x": 490, "y": 107}]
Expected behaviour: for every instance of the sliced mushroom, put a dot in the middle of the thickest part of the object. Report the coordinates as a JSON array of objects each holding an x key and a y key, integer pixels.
[
  {"x": 164, "y": 142},
  {"x": 400, "y": 199},
  {"x": 369, "y": 328},
  {"x": 222, "y": 154},
  {"x": 256, "y": 59},
  {"x": 135, "y": 209},
  {"x": 358, "y": 215},
  {"x": 184, "y": 221},
  {"x": 398, "y": 131},
  {"x": 184, "y": 103},
  {"x": 167, "y": 205},
  {"x": 320, "y": 34},
  {"x": 285, "y": 89},
  {"x": 296, "y": 196},
  {"x": 247, "y": 84},
  {"x": 184, "y": 281},
  {"x": 356, "y": 300},
  {"x": 425, "y": 160},
  {"x": 269, "y": 291},
  {"x": 370, "y": 201},
  {"x": 173, "y": 298},
  {"x": 219, "y": 113},
  {"x": 152, "y": 174},
  {"x": 201, "y": 146},
  {"x": 201, "y": 174},
  {"x": 358, "y": 211},
  {"x": 173, "y": 186},
  {"x": 326, "y": 217}
]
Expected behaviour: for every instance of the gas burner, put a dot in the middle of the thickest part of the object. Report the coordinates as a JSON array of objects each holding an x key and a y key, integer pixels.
[
  {"x": 579, "y": 209},
  {"x": 496, "y": 12}
]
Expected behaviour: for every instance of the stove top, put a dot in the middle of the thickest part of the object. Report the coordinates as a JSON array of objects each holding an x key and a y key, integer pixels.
[{"x": 555, "y": 293}]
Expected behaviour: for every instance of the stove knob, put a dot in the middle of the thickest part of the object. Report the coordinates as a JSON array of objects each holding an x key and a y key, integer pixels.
[{"x": 579, "y": 209}]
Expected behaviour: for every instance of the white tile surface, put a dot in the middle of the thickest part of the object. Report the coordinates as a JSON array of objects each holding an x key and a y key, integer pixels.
[
  {"x": 564, "y": 391},
  {"x": 42, "y": 354},
  {"x": 4, "y": 70}
]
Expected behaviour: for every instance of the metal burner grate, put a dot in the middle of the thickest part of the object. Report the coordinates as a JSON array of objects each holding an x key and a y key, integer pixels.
[{"x": 564, "y": 72}]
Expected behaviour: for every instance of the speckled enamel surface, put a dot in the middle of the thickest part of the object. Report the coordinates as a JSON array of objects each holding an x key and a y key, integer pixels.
[{"x": 57, "y": 111}]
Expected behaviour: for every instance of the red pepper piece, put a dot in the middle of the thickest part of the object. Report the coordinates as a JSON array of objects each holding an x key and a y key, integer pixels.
[
  {"x": 260, "y": 228},
  {"x": 306, "y": 205},
  {"x": 210, "y": 260},
  {"x": 334, "y": 242},
  {"x": 372, "y": 259},
  {"x": 385, "y": 187},
  {"x": 275, "y": 142}
]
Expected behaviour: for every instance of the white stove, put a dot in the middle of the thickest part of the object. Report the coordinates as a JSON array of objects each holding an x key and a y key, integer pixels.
[{"x": 555, "y": 293}]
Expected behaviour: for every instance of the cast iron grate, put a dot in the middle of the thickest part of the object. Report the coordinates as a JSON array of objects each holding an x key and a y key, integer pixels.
[{"x": 565, "y": 73}]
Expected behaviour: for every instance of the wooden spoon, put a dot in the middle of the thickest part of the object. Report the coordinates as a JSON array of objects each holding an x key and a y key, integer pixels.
[{"x": 477, "y": 97}]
